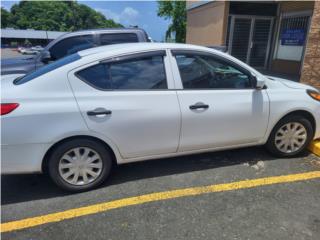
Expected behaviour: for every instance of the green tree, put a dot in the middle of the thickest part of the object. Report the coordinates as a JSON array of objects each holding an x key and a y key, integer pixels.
[
  {"x": 56, "y": 16},
  {"x": 176, "y": 11},
  {"x": 4, "y": 18}
]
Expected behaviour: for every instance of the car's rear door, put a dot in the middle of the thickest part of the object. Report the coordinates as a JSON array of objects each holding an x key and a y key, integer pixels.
[
  {"x": 127, "y": 99},
  {"x": 219, "y": 105}
]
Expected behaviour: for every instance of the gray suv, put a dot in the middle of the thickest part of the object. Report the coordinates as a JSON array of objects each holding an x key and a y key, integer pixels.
[{"x": 70, "y": 43}]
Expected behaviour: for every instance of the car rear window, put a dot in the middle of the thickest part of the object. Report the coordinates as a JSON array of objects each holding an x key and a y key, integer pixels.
[{"x": 47, "y": 68}]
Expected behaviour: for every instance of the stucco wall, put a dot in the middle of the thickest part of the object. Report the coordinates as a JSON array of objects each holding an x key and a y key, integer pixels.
[
  {"x": 207, "y": 24},
  {"x": 311, "y": 65}
]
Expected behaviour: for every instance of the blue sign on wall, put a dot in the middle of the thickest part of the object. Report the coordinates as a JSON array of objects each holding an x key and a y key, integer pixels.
[{"x": 293, "y": 37}]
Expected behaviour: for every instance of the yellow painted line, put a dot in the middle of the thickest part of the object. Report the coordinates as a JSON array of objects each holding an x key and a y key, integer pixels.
[
  {"x": 314, "y": 147},
  {"x": 153, "y": 197}
]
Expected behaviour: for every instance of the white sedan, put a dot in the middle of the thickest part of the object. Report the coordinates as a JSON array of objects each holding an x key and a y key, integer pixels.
[
  {"x": 28, "y": 51},
  {"x": 37, "y": 48},
  {"x": 116, "y": 104}
]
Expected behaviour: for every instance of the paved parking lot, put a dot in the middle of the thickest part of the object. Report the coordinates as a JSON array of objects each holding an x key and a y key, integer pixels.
[
  {"x": 286, "y": 210},
  {"x": 10, "y": 53}
]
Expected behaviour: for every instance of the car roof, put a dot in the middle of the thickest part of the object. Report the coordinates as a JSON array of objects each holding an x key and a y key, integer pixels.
[
  {"x": 108, "y": 29},
  {"x": 102, "y": 30},
  {"x": 96, "y": 31},
  {"x": 142, "y": 46}
]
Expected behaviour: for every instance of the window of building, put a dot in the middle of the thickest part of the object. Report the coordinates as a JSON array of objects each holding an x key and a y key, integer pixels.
[{"x": 206, "y": 72}]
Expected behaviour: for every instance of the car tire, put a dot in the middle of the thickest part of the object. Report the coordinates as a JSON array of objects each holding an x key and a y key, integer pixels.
[
  {"x": 279, "y": 135},
  {"x": 88, "y": 162}
]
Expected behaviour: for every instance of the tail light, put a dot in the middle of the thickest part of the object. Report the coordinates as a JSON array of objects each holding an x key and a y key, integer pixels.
[{"x": 8, "y": 108}]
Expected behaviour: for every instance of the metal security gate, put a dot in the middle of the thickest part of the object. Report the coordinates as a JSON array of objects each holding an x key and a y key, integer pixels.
[{"x": 250, "y": 38}]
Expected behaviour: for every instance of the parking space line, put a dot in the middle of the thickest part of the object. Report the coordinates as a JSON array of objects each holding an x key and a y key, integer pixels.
[{"x": 153, "y": 197}]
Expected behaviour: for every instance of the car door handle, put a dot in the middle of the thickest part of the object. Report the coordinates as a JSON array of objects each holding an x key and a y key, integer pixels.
[
  {"x": 198, "y": 106},
  {"x": 98, "y": 112}
]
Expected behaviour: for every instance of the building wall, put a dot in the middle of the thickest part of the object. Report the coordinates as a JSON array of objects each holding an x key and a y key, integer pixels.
[
  {"x": 207, "y": 24},
  {"x": 311, "y": 64},
  {"x": 293, "y": 6}
]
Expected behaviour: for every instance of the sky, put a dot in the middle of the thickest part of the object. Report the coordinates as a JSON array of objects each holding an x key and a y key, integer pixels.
[{"x": 141, "y": 13}]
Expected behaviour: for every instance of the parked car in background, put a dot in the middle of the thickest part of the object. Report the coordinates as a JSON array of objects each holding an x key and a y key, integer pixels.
[
  {"x": 37, "y": 48},
  {"x": 70, "y": 43},
  {"x": 20, "y": 48},
  {"x": 28, "y": 51},
  {"x": 76, "y": 117}
]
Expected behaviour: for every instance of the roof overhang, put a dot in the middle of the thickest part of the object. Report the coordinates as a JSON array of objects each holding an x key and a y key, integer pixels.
[{"x": 198, "y": 4}]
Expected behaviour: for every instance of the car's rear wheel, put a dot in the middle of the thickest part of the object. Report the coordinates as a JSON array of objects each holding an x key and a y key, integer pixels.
[
  {"x": 79, "y": 164},
  {"x": 290, "y": 136}
]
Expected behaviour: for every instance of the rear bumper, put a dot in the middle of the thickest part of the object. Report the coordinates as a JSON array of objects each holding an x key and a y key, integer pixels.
[{"x": 22, "y": 158}]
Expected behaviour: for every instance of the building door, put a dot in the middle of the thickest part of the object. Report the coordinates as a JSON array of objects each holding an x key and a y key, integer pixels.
[{"x": 250, "y": 38}]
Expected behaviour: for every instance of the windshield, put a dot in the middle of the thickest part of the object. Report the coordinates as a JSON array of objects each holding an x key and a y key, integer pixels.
[{"x": 47, "y": 68}]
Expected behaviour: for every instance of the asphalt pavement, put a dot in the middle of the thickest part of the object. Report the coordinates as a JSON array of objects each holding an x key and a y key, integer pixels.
[
  {"x": 10, "y": 53},
  {"x": 288, "y": 210}
]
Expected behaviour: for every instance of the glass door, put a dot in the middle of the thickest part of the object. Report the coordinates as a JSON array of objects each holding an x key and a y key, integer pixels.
[
  {"x": 250, "y": 38},
  {"x": 260, "y": 43}
]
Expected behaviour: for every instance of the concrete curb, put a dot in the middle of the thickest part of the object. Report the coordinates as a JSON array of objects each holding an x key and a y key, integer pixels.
[{"x": 314, "y": 147}]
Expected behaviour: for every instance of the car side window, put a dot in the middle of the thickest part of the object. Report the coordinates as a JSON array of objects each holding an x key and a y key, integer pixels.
[
  {"x": 199, "y": 71},
  {"x": 141, "y": 73},
  {"x": 71, "y": 45},
  {"x": 114, "y": 38}
]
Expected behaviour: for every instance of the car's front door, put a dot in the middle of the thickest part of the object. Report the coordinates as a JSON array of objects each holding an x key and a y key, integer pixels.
[
  {"x": 127, "y": 99},
  {"x": 219, "y": 106}
]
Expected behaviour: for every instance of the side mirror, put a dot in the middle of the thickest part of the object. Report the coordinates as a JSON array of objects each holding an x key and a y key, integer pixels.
[
  {"x": 258, "y": 83},
  {"x": 46, "y": 57}
]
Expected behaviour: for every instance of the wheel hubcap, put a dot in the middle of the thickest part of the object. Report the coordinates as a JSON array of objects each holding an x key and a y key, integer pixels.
[
  {"x": 80, "y": 166},
  {"x": 291, "y": 137}
]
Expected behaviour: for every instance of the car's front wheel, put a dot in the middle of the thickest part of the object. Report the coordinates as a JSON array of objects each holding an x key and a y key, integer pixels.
[
  {"x": 290, "y": 136},
  {"x": 79, "y": 164}
]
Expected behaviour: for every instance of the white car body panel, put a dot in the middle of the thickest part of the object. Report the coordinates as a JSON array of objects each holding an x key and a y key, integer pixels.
[
  {"x": 43, "y": 116},
  {"x": 233, "y": 117},
  {"x": 144, "y": 124},
  {"x": 295, "y": 102}
]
